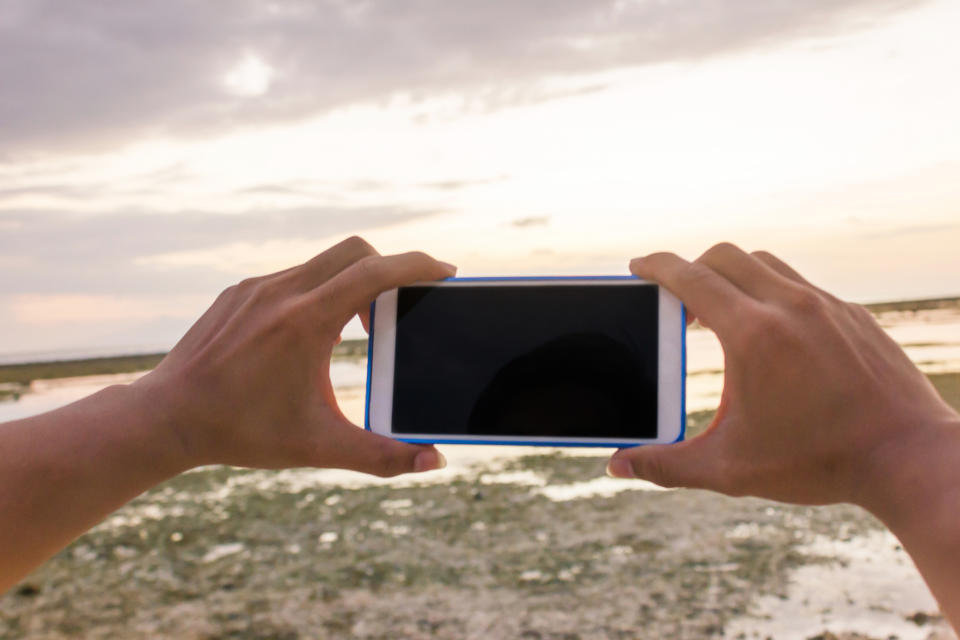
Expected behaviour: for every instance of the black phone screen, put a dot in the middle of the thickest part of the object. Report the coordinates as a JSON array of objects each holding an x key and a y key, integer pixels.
[{"x": 559, "y": 360}]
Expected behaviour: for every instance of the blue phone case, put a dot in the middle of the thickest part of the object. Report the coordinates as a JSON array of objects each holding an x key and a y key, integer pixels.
[{"x": 683, "y": 374}]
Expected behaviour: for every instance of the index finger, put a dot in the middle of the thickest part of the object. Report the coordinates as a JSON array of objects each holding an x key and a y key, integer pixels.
[
  {"x": 714, "y": 300},
  {"x": 352, "y": 290}
]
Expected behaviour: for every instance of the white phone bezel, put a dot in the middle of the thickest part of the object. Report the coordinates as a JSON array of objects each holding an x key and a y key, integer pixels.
[{"x": 670, "y": 387}]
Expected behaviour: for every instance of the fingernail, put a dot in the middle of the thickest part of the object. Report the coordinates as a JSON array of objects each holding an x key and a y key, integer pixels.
[
  {"x": 428, "y": 461},
  {"x": 450, "y": 267},
  {"x": 620, "y": 468},
  {"x": 636, "y": 261}
]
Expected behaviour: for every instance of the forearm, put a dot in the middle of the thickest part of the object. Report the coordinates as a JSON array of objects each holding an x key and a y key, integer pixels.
[
  {"x": 64, "y": 471},
  {"x": 259, "y": 395},
  {"x": 917, "y": 495}
]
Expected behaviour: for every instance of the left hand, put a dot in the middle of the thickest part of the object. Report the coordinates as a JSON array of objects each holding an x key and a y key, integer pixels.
[{"x": 249, "y": 384}]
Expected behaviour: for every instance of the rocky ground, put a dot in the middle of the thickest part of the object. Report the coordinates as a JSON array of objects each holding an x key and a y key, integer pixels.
[
  {"x": 535, "y": 547},
  {"x": 227, "y": 553}
]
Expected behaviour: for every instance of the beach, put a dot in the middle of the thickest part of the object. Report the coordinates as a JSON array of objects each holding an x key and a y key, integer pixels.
[{"x": 504, "y": 543}]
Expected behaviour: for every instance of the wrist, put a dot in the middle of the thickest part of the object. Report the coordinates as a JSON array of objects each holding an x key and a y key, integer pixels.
[
  {"x": 914, "y": 480},
  {"x": 152, "y": 416}
]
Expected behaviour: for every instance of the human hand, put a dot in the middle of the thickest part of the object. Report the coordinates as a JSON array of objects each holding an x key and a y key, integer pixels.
[
  {"x": 249, "y": 384},
  {"x": 819, "y": 405}
]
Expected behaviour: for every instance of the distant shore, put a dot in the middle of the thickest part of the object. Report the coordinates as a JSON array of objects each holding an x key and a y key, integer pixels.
[
  {"x": 15, "y": 378},
  {"x": 924, "y": 304}
]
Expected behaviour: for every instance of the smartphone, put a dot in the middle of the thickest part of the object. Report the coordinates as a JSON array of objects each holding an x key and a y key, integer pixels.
[{"x": 560, "y": 361}]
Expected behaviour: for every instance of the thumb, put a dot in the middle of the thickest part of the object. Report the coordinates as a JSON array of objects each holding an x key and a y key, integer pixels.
[
  {"x": 691, "y": 463},
  {"x": 347, "y": 446}
]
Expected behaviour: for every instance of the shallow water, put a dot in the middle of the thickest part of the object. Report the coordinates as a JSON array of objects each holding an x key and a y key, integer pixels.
[
  {"x": 930, "y": 338},
  {"x": 46, "y": 395},
  {"x": 705, "y": 364},
  {"x": 863, "y": 583},
  {"x": 349, "y": 376}
]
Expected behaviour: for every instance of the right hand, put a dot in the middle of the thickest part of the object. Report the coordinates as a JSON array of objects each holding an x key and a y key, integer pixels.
[{"x": 819, "y": 405}]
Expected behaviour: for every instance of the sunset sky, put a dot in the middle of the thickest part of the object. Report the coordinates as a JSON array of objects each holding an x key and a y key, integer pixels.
[{"x": 152, "y": 153}]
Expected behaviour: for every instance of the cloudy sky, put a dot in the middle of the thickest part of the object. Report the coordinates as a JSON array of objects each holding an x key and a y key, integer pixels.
[{"x": 151, "y": 153}]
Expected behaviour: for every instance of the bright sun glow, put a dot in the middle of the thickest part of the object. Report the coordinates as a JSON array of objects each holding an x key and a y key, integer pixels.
[{"x": 250, "y": 77}]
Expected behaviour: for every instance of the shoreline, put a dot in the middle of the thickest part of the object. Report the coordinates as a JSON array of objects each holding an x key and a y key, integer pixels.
[
  {"x": 921, "y": 304},
  {"x": 23, "y": 373},
  {"x": 15, "y": 378}
]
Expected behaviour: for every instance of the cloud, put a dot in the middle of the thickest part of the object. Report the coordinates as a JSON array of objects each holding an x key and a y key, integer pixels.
[
  {"x": 88, "y": 75},
  {"x": 315, "y": 188},
  {"x": 58, "y": 252},
  {"x": 912, "y": 229},
  {"x": 532, "y": 221},
  {"x": 49, "y": 310},
  {"x": 54, "y": 181},
  {"x": 457, "y": 185},
  {"x": 50, "y": 190}
]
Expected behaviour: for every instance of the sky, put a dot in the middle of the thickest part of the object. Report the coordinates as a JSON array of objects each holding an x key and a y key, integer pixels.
[{"x": 153, "y": 153}]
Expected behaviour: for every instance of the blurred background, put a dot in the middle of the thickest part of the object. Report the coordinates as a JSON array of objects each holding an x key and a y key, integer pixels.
[{"x": 153, "y": 153}]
